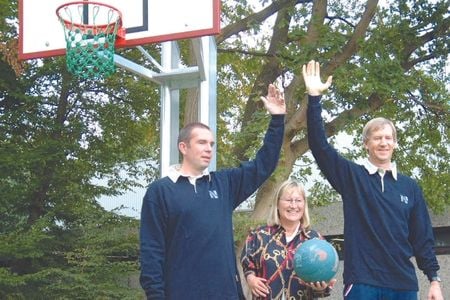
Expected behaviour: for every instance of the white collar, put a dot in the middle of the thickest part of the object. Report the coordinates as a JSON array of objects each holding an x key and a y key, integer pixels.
[
  {"x": 372, "y": 169},
  {"x": 174, "y": 173}
]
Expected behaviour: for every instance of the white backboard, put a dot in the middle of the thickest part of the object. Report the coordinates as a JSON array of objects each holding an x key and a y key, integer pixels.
[{"x": 146, "y": 21}]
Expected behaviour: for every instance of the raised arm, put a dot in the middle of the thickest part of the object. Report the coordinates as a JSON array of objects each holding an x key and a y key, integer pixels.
[{"x": 328, "y": 159}]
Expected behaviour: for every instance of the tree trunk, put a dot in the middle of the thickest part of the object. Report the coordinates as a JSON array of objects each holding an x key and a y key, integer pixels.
[{"x": 191, "y": 107}]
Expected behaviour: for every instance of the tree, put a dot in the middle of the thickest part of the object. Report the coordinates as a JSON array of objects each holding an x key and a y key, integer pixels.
[
  {"x": 386, "y": 60},
  {"x": 59, "y": 137}
]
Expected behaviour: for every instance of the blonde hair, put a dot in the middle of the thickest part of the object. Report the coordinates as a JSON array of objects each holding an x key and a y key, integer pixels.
[
  {"x": 288, "y": 185},
  {"x": 376, "y": 124}
]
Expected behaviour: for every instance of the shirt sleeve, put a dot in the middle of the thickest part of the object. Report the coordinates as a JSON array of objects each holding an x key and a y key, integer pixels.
[
  {"x": 152, "y": 245},
  {"x": 250, "y": 175},
  {"x": 250, "y": 254},
  {"x": 422, "y": 237},
  {"x": 334, "y": 167}
]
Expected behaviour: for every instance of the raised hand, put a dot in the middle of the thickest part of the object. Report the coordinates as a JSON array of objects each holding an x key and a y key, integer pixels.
[
  {"x": 274, "y": 101},
  {"x": 313, "y": 83}
]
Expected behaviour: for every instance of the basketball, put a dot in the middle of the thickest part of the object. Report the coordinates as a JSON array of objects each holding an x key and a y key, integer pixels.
[{"x": 316, "y": 260}]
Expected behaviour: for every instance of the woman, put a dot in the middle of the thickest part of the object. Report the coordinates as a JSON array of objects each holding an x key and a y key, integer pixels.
[{"x": 267, "y": 258}]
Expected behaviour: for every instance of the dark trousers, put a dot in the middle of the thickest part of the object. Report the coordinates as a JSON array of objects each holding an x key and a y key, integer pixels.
[{"x": 368, "y": 292}]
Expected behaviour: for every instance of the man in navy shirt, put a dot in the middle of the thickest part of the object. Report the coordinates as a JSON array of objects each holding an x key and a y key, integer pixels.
[
  {"x": 186, "y": 234},
  {"x": 386, "y": 220}
]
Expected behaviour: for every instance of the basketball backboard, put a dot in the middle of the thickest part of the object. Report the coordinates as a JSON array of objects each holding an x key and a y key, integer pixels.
[{"x": 145, "y": 21}]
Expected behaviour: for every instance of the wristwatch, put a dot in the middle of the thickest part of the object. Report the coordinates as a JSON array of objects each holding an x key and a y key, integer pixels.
[{"x": 436, "y": 278}]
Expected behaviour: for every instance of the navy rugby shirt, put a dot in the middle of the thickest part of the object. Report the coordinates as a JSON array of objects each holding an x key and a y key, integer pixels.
[
  {"x": 386, "y": 221},
  {"x": 186, "y": 234}
]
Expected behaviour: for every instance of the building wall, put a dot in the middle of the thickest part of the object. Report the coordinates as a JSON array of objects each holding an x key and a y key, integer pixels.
[{"x": 329, "y": 220}]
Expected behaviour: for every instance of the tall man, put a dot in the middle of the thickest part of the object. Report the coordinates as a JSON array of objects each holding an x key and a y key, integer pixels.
[
  {"x": 186, "y": 234},
  {"x": 386, "y": 220}
]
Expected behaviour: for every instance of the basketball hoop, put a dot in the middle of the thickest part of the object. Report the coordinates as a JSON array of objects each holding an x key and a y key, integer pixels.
[{"x": 90, "y": 30}]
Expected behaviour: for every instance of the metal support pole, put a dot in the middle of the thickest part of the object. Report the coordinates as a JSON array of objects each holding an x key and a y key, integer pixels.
[
  {"x": 170, "y": 111},
  {"x": 208, "y": 90},
  {"x": 172, "y": 76}
]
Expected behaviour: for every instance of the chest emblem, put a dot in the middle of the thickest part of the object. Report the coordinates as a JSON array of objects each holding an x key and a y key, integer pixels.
[{"x": 213, "y": 194}]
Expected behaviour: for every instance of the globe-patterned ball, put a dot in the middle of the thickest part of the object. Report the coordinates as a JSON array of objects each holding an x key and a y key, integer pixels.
[{"x": 316, "y": 260}]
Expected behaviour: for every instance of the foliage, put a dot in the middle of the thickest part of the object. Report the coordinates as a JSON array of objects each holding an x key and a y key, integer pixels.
[
  {"x": 92, "y": 259},
  {"x": 385, "y": 60},
  {"x": 243, "y": 224},
  {"x": 64, "y": 142},
  {"x": 60, "y": 137}
]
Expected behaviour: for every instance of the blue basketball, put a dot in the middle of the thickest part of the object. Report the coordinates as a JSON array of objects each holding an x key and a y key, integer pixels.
[{"x": 316, "y": 260}]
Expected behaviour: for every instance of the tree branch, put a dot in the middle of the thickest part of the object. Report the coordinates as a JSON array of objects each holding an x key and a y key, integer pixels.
[
  {"x": 269, "y": 72},
  {"x": 240, "y": 51},
  {"x": 413, "y": 44},
  {"x": 246, "y": 23},
  {"x": 297, "y": 121},
  {"x": 352, "y": 45}
]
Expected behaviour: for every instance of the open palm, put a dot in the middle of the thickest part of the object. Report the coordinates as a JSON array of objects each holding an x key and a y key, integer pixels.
[
  {"x": 313, "y": 83},
  {"x": 274, "y": 101}
]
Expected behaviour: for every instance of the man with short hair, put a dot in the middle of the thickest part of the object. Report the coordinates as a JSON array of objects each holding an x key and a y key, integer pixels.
[
  {"x": 386, "y": 220},
  {"x": 186, "y": 234}
]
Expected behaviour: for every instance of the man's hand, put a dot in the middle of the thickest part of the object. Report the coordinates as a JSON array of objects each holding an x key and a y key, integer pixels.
[
  {"x": 257, "y": 285},
  {"x": 274, "y": 101},
  {"x": 313, "y": 83},
  {"x": 435, "y": 292}
]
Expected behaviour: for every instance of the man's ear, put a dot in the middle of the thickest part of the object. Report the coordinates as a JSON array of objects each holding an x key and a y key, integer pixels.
[{"x": 182, "y": 147}]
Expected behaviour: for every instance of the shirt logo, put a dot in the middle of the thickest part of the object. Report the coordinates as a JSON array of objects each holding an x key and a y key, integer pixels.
[
  {"x": 213, "y": 194},
  {"x": 404, "y": 199}
]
